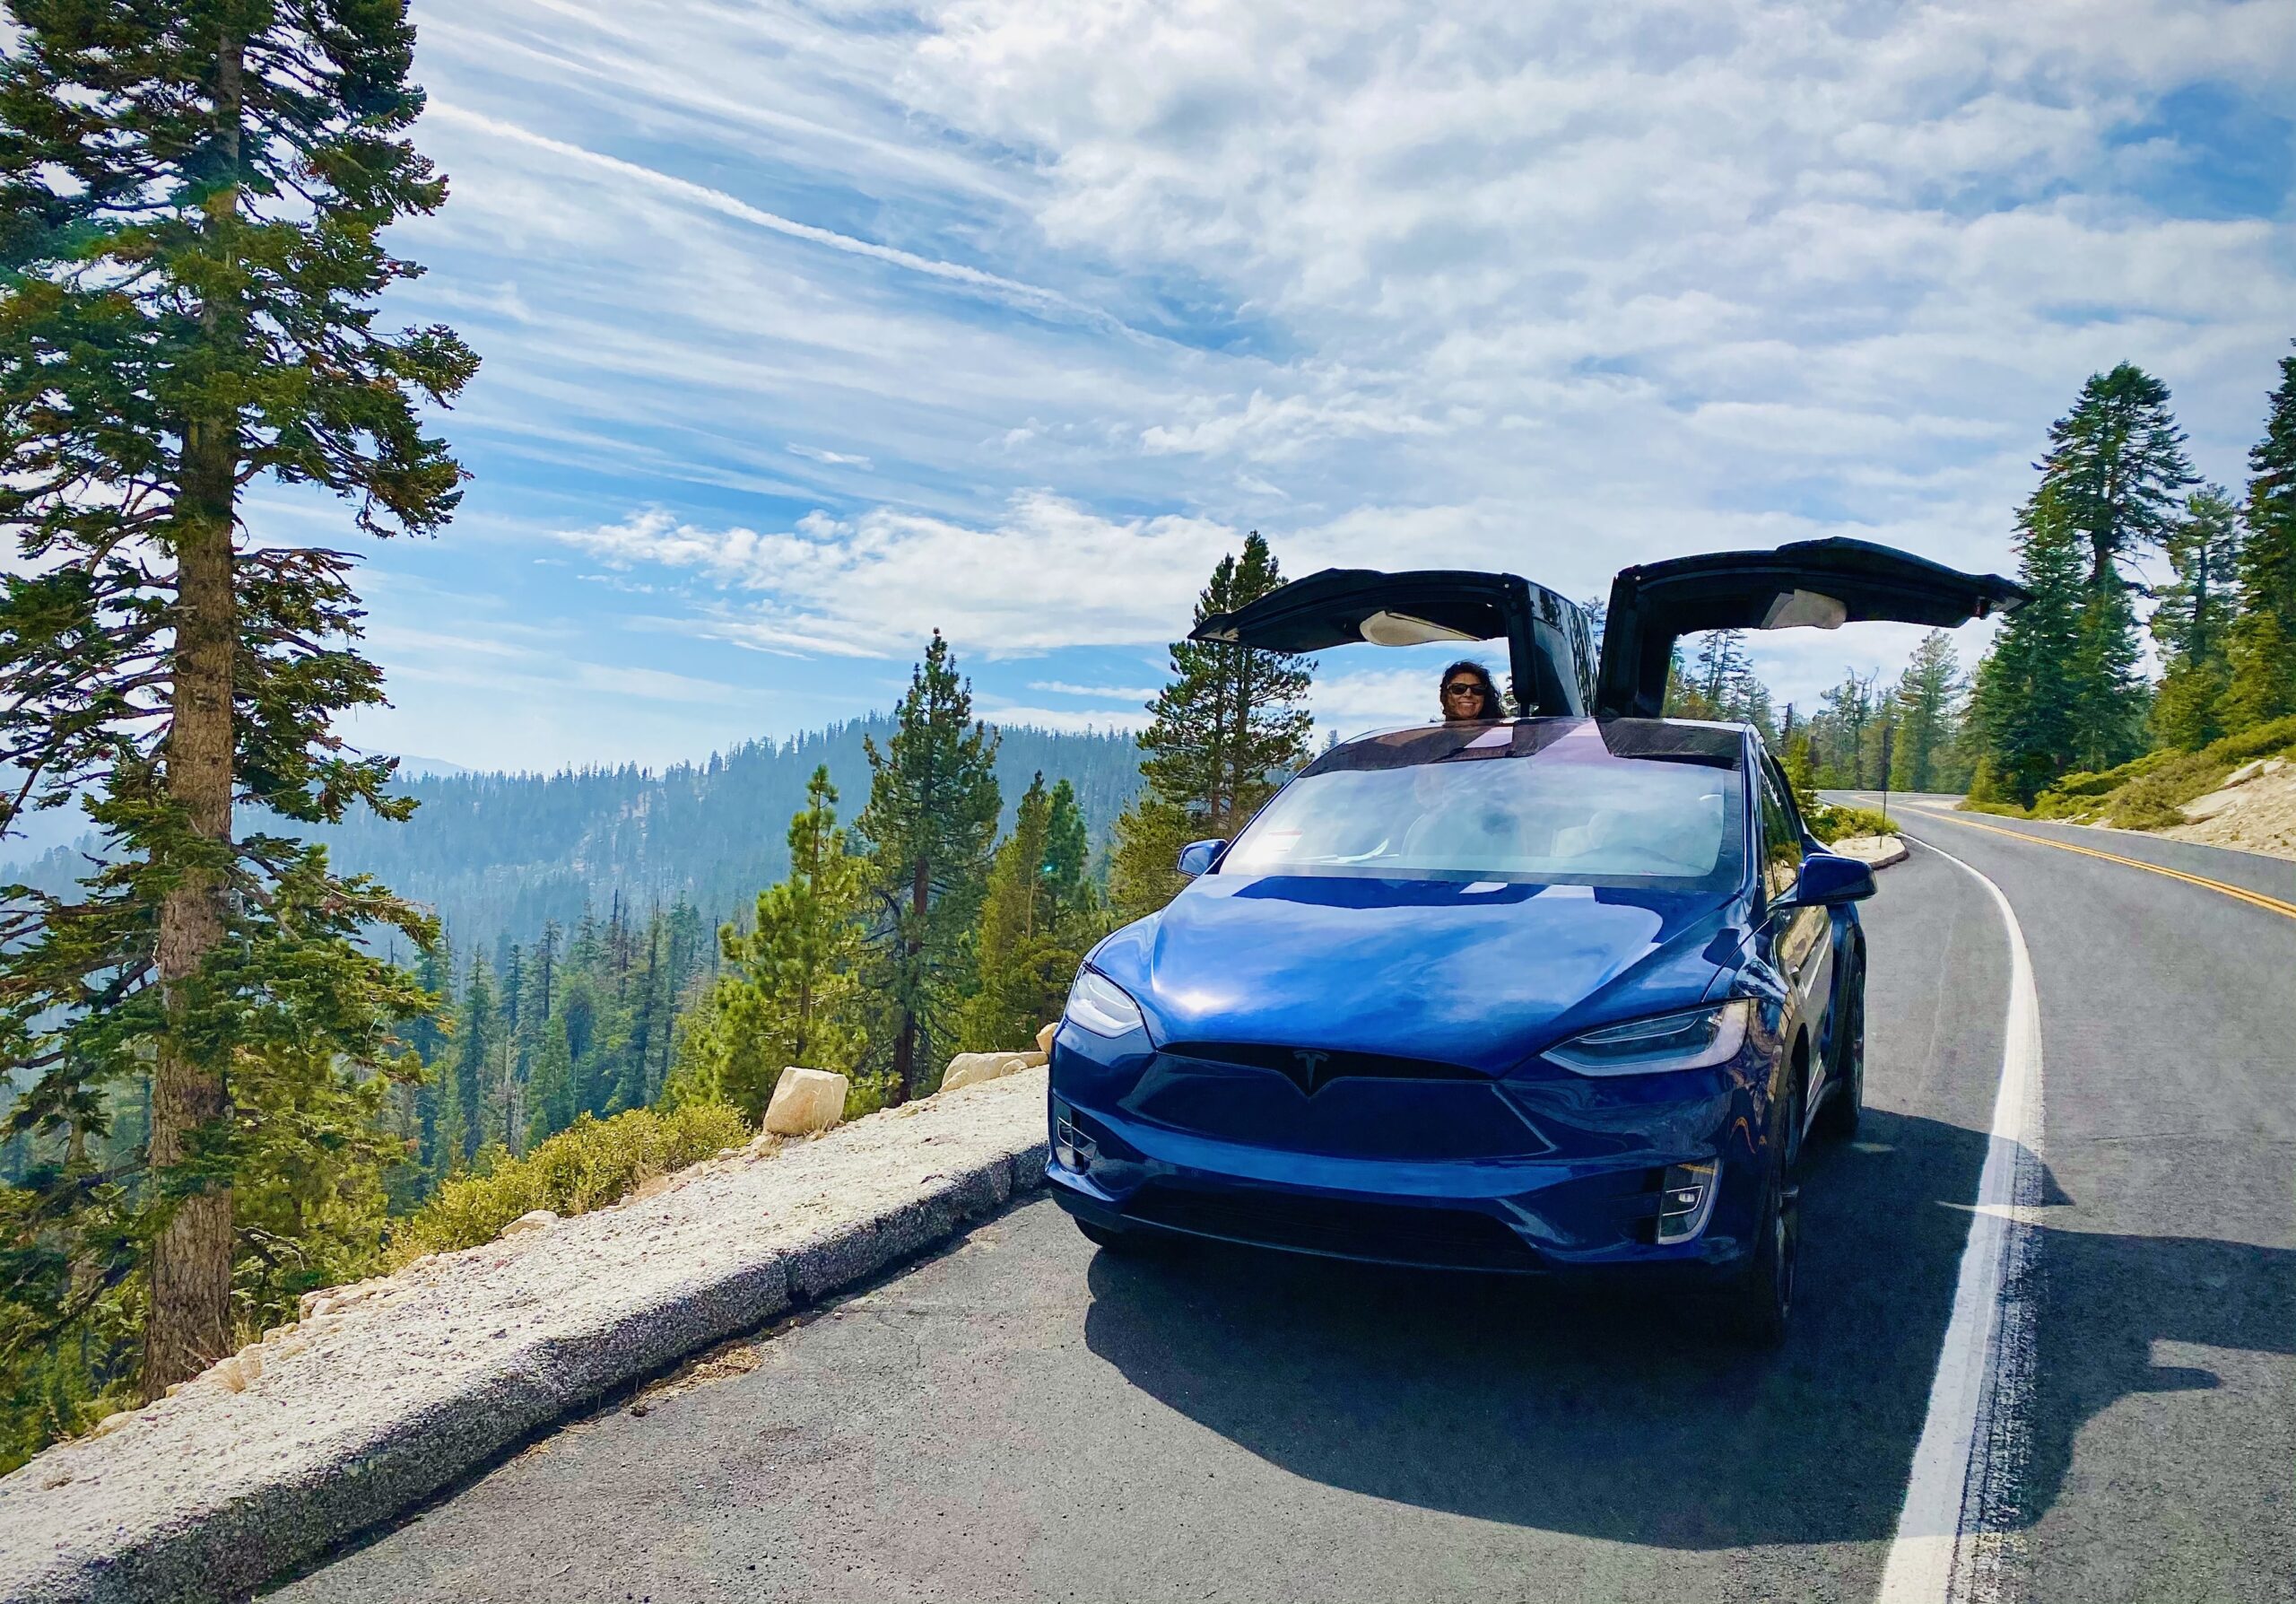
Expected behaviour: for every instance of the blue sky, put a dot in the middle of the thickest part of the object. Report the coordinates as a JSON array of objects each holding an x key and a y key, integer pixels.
[{"x": 808, "y": 329}]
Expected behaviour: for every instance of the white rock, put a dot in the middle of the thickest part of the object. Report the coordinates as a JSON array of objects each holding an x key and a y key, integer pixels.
[
  {"x": 2210, "y": 806},
  {"x": 805, "y": 1101},
  {"x": 111, "y": 1423},
  {"x": 1044, "y": 1038},
  {"x": 971, "y": 1068},
  {"x": 2243, "y": 774},
  {"x": 539, "y": 1220}
]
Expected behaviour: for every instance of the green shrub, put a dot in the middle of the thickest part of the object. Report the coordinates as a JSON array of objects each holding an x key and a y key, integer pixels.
[
  {"x": 1829, "y": 823},
  {"x": 589, "y": 1166}
]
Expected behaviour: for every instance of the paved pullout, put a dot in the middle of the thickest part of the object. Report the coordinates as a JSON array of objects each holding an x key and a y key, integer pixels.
[{"x": 1020, "y": 1417}]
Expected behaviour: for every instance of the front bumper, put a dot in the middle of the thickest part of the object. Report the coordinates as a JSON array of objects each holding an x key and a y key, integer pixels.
[{"x": 1548, "y": 1214}]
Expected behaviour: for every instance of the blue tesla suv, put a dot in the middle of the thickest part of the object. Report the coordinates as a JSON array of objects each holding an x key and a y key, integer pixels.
[{"x": 1566, "y": 992}]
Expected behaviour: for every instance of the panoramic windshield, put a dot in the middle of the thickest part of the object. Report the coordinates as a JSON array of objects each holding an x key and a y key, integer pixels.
[{"x": 1538, "y": 801}]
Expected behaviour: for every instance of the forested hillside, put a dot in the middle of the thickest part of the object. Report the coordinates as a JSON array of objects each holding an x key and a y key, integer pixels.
[{"x": 497, "y": 854}]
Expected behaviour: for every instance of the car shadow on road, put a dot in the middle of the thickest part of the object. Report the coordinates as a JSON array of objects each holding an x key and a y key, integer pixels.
[{"x": 1631, "y": 1418}]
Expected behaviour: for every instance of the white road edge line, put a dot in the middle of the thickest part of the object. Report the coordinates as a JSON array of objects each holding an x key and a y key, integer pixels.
[{"x": 1953, "y": 1533}]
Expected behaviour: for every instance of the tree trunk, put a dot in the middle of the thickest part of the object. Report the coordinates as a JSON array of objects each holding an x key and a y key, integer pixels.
[
  {"x": 190, "y": 1324},
  {"x": 905, "y": 1076},
  {"x": 191, "y": 1261}
]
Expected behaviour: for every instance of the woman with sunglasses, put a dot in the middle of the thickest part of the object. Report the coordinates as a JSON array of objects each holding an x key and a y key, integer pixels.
[{"x": 1469, "y": 695}]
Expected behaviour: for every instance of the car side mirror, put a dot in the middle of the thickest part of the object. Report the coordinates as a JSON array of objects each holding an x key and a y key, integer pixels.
[
  {"x": 1828, "y": 878},
  {"x": 1197, "y": 855}
]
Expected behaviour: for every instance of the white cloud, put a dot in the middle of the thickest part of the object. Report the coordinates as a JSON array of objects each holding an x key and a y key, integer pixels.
[
  {"x": 1056, "y": 687},
  {"x": 1049, "y": 575}
]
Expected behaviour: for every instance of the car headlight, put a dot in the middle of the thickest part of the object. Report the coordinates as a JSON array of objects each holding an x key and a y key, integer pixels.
[
  {"x": 1692, "y": 1039},
  {"x": 1099, "y": 1005}
]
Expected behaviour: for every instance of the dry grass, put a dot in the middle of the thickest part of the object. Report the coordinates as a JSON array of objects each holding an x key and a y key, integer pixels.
[{"x": 589, "y": 1165}]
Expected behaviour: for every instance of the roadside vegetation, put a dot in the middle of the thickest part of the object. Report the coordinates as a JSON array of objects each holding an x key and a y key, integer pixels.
[{"x": 591, "y": 1164}]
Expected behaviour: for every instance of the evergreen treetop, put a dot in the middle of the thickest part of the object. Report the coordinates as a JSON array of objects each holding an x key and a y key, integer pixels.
[
  {"x": 1231, "y": 722},
  {"x": 2117, "y": 466}
]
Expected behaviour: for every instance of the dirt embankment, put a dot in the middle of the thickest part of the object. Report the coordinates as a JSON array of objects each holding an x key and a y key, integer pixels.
[{"x": 2254, "y": 810}]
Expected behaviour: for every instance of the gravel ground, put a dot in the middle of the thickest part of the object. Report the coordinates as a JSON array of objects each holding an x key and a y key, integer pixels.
[{"x": 395, "y": 1389}]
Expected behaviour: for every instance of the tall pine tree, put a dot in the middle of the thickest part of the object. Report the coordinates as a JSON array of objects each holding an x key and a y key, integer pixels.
[
  {"x": 1928, "y": 701},
  {"x": 2261, "y": 646},
  {"x": 787, "y": 993},
  {"x": 191, "y": 198},
  {"x": 1227, "y": 728},
  {"x": 2192, "y": 619},
  {"x": 1037, "y": 919},
  {"x": 2116, "y": 470},
  {"x": 930, "y": 822},
  {"x": 2025, "y": 687}
]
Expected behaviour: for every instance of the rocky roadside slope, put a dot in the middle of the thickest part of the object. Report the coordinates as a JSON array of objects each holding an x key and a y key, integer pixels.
[{"x": 394, "y": 1388}]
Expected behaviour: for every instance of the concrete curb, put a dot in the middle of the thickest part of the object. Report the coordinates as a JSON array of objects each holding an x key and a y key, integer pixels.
[
  {"x": 1877, "y": 853},
  {"x": 363, "y": 1414}
]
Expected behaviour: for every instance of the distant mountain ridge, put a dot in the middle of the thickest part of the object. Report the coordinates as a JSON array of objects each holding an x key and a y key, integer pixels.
[
  {"x": 502, "y": 853},
  {"x": 497, "y": 854}
]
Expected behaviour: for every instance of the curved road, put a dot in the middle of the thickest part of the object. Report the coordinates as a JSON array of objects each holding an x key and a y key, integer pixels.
[{"x": 1021, "y": 1418}]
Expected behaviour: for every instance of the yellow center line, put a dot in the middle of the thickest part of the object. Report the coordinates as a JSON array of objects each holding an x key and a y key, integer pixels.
[{"x": 2256, "y": 898}]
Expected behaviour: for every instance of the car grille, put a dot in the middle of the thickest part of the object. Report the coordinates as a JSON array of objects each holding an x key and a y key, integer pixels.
[
  {"x": 1312, "y": 1067},
  {"x": 1453, "y": 1238}
]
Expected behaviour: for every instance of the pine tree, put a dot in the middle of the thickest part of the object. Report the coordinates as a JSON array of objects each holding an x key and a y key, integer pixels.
[
  {"x": 550, "y": 1085},
  {"x": 462, "y": 1090},
  {"x": 2193, "y": 619},
  {"x": 2026, "y": 686},
  {"x": 787, "y": 994},
  {"x": 1928, "y": 700},
  {"x": 192, "y": 196},
  {"x": 1037, "y": 919},
  {"x": 1229, "y": 725},
  {"x": 2117, "y": 463},
  {"x": 2260, "y": 651},
  {"x": 2116, "y": 469},
  {"x": 930, "y": 822}
]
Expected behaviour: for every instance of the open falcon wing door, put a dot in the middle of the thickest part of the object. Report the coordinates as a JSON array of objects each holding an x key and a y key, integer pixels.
[
  {"x": 1550, "y": 641},
  {"x": 1822, "y": 584}
]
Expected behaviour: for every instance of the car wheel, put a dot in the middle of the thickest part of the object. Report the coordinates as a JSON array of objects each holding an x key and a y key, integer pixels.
[
  {"x": 1759, "y": 1301},
  {"x": 1846, "y": 1102}
]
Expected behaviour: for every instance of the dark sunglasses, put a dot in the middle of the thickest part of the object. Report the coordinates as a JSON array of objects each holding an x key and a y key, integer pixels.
[{"x": 1462, "y": 687}]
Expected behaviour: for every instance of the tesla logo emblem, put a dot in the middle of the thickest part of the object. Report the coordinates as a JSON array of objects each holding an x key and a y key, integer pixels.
[{"x": 1310, "y": 1062}]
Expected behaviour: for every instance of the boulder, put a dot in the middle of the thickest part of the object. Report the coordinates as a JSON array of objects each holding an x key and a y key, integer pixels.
[
  {"x": 1044, "y": 1038},
  {"x": 2243, "y": 774},
  {"x": 971, "y": 1068},
  {"x": 805, "y": 1101},
  {"x": 534, "y": 1219}
]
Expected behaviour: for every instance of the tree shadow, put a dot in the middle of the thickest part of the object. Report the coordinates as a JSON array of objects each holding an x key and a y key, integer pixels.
[{"x": 1628, "y": 1417}]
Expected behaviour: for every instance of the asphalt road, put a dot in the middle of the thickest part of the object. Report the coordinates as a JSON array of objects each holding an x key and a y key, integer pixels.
[{"x": 1021, "y": 1418}]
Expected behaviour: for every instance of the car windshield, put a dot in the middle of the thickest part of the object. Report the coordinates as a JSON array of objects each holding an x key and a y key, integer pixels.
[{"x": 1551, "y": 801}]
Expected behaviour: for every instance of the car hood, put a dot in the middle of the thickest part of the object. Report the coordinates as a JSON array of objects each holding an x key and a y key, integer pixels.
[{"x": 1478, "y": 975}]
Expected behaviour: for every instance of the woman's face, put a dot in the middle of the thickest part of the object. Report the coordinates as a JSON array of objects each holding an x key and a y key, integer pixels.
[{"x": 1464, "y": 697}]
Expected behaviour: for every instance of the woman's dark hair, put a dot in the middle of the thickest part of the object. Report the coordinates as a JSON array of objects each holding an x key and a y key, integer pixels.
[{"x": 1493, "y": 706}]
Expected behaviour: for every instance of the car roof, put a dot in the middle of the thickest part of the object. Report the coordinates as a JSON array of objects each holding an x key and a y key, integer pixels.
[{"x": 1679, "y": 740}]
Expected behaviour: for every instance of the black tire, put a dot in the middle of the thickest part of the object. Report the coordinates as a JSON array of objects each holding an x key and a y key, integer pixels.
[
  {"x": 1845, "y": 1100},
  {"x": 1758, "y": 1305}
]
